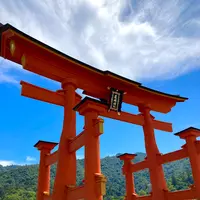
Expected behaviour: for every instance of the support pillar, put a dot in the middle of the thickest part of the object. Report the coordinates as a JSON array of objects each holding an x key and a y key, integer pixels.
[
  {"x": 95, "y": 182},
  {"x": 44, "y": 170},
  {"x": 157, "y": 177},
  {"x": 66, "y": 165},
  {"x": 190, "y": 136},
  {"x": 92, "y": 156},
  {"x": 130, "y": 186}
]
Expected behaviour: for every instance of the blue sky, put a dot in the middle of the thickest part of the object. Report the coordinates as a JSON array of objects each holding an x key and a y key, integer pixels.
[{"x": 152, "y": 42}]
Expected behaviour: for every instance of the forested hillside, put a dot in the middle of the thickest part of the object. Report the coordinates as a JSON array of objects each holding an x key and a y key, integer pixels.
[{"x": 19, "y": 182}]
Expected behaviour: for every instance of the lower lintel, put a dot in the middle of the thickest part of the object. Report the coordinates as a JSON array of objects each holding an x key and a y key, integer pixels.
[{"x": 137, "y": 119}]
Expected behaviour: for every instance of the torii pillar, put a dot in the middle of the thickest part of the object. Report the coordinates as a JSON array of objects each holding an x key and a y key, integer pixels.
[
  {"x": 94, "y": 184},
  {"x": 44, "y": 170},
  {"x": 156, "y": 172},
  {"x": 66, "y": 165},
  {"x": 130, "y": 186},
  {"x": 190, "y": 136}
]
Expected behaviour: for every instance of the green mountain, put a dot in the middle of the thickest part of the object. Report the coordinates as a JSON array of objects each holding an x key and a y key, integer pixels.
[{"x": 19, "y": 182}]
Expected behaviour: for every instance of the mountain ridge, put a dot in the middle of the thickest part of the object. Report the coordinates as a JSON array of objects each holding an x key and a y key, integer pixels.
[{"x": 20, "y": 182}]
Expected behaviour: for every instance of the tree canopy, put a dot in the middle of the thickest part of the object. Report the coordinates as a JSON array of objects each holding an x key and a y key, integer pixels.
[{"x": 20, "y": 182}]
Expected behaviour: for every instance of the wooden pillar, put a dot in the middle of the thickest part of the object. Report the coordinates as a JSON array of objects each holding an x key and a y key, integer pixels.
[
  {"x": 157, "y": 177},
  {"x": 44, "y": 170},
  {"x": 66, "y": 166},
  {"x": 190, "y": 135},
  {"x": 129, "y": 179},
  {"x": 95, "y": 182},
  {"x": 92, "y": 156}
]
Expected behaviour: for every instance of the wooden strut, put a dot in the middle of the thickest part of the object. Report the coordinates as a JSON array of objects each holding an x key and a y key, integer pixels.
[
  {"x": 163, "y": 159},
  {"x": 77, "y": 142},
  {"x": 51, "y": 158}
]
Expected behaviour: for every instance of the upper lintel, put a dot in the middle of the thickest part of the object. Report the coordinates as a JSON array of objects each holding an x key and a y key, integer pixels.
[{"x": 91, "y": 80}]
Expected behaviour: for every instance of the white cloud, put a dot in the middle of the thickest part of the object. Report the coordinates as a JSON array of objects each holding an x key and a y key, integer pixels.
[
  {"x": 80, "y": 156},
  {"x": 7, "y": 78},
  {"x": 148, "y": 39},
  {"x": 30, "y": 159},
  {"x": 6, "y": 69},
  {"x": 109, "y": 155},
  {"x": 7, "y": 163}
]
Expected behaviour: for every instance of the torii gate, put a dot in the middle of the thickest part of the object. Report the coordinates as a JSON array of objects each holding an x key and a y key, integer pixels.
[{"x": 41, "y": 59}]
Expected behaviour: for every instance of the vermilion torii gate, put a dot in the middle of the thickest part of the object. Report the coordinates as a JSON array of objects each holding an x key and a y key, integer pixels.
[{"x": 41, "y": 59}]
